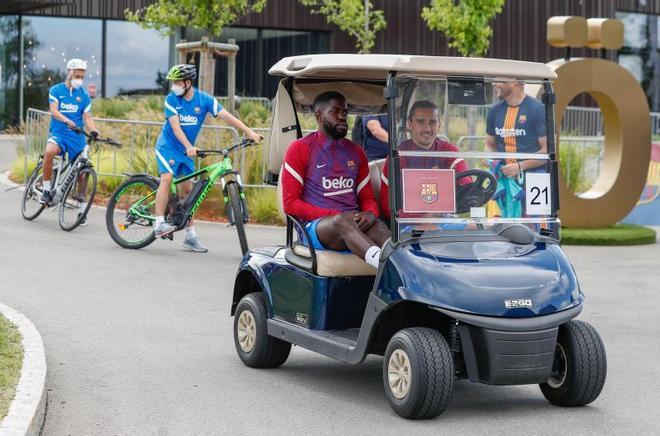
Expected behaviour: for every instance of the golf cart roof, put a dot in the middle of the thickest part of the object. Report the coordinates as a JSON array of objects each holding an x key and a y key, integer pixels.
[{"x": 376, "y": 67}]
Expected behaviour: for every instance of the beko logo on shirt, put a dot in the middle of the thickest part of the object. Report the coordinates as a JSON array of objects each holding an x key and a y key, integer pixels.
[
  {"x": 69, "y": 107},
  {"x": 337, "y": 183},
  {"x": 188, "y": 119},
  {"x": 505, "y": 133}
]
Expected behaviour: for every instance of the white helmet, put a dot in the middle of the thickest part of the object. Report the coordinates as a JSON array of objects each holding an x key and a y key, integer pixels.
[{"x": 76, "y": 64}]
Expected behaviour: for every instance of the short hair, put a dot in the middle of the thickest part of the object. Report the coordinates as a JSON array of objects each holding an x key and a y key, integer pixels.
[
  {"x": 324, "y": 98},
  {"x": 421, "y": 104}
]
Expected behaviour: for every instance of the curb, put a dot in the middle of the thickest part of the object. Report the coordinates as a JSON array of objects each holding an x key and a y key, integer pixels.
[{"x": 28, "y": 408}]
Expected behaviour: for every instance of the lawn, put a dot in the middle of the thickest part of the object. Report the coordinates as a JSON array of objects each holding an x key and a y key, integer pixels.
[
  {"x": 11, "y": 358},
  {"x": 620, "y": 234}
]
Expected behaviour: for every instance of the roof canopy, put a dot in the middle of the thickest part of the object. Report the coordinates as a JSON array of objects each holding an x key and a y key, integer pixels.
[{"x": 376, "y": 67}]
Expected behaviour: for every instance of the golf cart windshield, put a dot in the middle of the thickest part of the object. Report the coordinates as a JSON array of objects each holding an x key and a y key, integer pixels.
[{"x": 473, "y": 153}]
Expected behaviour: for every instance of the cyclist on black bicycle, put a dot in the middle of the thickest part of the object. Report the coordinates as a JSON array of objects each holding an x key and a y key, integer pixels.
[
  {"x": 185, "y": 110},
  {"x": 71, "y": 107}
]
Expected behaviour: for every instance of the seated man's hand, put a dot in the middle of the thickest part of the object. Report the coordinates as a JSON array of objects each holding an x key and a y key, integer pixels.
[{"x": 365, "y": 220}]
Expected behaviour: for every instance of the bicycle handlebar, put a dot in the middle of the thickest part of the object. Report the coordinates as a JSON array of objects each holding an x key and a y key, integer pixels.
[
  {"x": 243, "y": 144},
  {"x": 96, "y": 138}
]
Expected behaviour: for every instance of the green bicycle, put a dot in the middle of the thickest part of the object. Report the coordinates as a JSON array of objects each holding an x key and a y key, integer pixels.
[{"x": 130, "y": 214}]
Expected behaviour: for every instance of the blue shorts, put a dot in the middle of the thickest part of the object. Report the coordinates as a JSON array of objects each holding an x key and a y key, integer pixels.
[
  {"x": 70, "y": 145},
  {"x": 174, "y": 162},
  {"x": 315, "y": 242}
]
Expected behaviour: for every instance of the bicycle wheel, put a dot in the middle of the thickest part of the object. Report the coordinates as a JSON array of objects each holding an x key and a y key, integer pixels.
[
  {"x": 126, "y": 222},
  {"x": 30, "y": 206},
  {"x": 237, "y": 215},
  {"x": 77, "y": 199}
]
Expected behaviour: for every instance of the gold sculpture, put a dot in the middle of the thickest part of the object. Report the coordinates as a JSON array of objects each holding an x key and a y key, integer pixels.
[{"x": 626, "y": 117}]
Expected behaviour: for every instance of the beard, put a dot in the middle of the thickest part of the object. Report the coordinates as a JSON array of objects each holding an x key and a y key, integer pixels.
[{"x": 337, "y": 131}]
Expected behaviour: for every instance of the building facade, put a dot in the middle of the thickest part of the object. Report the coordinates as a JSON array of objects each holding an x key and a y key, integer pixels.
[{"x": 38, "y": 36}]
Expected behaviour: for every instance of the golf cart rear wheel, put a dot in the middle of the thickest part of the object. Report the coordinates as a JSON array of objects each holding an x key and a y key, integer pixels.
[
  {"x": 253, "y": 345},
  {"x": 418, "y": 373},
  {"x": 579, "y": 368}
]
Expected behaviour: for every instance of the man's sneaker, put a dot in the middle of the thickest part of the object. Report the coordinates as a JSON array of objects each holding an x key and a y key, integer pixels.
[
  {"x": 163, "y": 229},
  {"x": 46, "y": 198},
  {"x": 83, "y": 221},
  {"x": 193, "y": 244}
]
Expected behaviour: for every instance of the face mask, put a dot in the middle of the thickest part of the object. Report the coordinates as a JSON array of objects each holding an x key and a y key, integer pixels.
[
  {"x": 76, "y": 83},
  {"x": 178, "y": 90}
]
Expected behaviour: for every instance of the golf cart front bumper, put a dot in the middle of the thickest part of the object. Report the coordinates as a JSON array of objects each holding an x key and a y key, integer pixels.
[{"x": 509, "y": 351}]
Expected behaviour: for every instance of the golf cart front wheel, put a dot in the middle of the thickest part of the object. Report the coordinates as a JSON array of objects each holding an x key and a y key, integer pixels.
[
  {"x": 579, "y": 368},
  {"x": 418, "y": 373},
  {"x": 253, "y": 345}
]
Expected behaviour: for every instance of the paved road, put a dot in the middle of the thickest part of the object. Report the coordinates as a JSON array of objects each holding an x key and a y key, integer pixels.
[{"x": 140, "y": 343}]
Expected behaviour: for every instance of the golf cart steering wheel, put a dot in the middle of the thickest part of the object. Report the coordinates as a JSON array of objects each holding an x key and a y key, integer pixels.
[{"x": 475, "y": 193}]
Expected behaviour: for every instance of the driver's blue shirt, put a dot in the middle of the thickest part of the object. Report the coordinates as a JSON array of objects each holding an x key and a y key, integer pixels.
[{"x": 191, "y": 116}]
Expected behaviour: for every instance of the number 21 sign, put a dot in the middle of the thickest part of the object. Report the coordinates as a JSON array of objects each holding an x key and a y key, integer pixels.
[{"x": 538, "y": 196}]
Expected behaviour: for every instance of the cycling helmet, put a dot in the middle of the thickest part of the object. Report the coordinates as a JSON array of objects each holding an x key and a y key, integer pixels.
[
  {"x": 76, "y": 64},
  {"x": 182, "y": 72}
]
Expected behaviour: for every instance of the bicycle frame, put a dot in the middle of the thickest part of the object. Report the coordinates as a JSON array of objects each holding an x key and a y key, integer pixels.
[
  {"x": 63, "y": 173},
  {"x": 217, "y": 170}
]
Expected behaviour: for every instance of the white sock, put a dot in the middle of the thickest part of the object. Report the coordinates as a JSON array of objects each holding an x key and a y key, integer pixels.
[
  {"x": 372, "y": 257},
  {"x": 159, "y": 220},
  {"x": 190, "y": 231},
  {"x": 46, "y": 185}
]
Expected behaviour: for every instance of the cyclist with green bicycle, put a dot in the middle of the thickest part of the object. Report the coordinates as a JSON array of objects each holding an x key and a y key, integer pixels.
[{"x": 185, "y": 110}]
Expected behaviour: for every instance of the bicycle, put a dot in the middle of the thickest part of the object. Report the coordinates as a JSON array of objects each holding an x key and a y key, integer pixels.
[
  {"x": 130, "y": 214},
  {"x": 73, "y": 186}
]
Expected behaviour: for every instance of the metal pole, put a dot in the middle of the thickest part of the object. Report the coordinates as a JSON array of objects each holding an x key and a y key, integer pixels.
[
  {"x": 231, "y": 79},
  {"x": 366, "y": 16},
  {"x": 21, "y": 66}
]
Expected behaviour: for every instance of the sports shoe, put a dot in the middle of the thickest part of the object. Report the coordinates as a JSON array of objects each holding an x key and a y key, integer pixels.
[
  {"x": 164, "y": 229},
  {"x": 46, "y": 198},
  {"x": 83, "y": 221},
  {"x": 193, "y": 244}
]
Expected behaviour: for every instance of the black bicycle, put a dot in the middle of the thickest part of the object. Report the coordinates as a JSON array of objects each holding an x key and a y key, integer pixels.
[{"x": 73, "y": 185}]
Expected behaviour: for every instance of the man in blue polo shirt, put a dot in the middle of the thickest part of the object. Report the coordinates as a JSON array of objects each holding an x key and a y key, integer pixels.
[
  {"x": 70, "y": 107},
  {"x": 185, "y": 110}
]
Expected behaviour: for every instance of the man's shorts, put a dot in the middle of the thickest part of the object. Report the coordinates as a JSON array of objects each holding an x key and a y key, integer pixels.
[
  {"x": 174, "y": 162},
  {"x": 311, "y": 229},
  {"x": 72, "y": 146},
  {"x": 315, "y": 241}
]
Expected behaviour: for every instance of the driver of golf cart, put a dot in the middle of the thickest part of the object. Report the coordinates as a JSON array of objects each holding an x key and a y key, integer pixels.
[
  {"x": 326, "y": 185},
  {"x": 423, "y": 124}
]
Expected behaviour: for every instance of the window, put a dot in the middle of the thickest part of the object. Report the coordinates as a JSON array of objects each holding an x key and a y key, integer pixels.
[
  {"x": 137, "y": 60},
  {"x": 48, "y": 44},
  {"x": 9, "y": 69},
  {"x": 640, "y": 53},
  {"x": 259, "y": 49}
]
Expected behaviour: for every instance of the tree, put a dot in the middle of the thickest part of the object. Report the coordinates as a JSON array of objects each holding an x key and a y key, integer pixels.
[
  {"x": 355, "y": 17},
  {"x": 466, "y": 23},
  {"x": 212, "y": 16}
]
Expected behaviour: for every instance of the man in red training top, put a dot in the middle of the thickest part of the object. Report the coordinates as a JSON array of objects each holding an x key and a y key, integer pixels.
[
  {"x": 326, "y": 185},
  {"x": 423, "y": 125}
]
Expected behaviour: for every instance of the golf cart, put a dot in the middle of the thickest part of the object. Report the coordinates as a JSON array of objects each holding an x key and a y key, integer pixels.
[{"x": 473, "y": 283}]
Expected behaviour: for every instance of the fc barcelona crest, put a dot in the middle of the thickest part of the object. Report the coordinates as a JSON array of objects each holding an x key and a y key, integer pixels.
[
  {"x": 351, "y": 164},
  {"x": 522, "y": 119},
  {"x": 429, "y": 192},
  {"x": 78, "y": 99},
  {"x": 198, "y": 110}
]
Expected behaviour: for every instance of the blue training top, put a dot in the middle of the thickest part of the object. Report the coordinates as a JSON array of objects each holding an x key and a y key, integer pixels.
[
  {"x": 191, "y": 117},
  {"x": 73, "y": 104}
]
